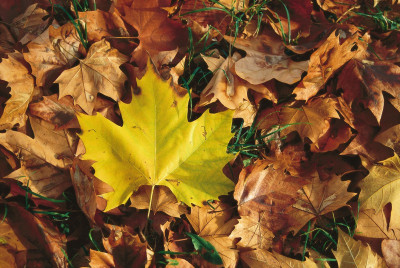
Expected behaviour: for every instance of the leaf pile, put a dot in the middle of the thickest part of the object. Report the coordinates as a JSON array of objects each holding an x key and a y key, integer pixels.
[{"x": 192, "y": 133}]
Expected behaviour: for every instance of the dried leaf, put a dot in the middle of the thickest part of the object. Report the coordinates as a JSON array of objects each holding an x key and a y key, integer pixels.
[
  {"x": 352, "y": 253},
  {"x": 163, "y": 200},
  {"x": 382, "y": 186},
  {"x": 215, "y": 227},
  {"x": 14, "y": 71},
  {"x": 98, "y": 73},
  {"x": 391, "y": 252}
]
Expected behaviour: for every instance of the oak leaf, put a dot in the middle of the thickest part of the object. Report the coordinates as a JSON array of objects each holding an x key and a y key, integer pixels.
[
  {"x": 352, "y": 253},
  {"x": 157, "y": 146},
  {"x": 99, "y": 72},
  {"x": 14, "y": 71},
  {"x": 215, "y": 227},
  {"x": 382, "y": 186}
]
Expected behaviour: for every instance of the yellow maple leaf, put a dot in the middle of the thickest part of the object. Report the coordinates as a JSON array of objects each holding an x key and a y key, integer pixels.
[{"x": 157, "y": 146}]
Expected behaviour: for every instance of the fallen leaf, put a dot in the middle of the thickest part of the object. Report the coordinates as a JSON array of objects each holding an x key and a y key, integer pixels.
[
  {"x": 317, "y": 199},
  {"x": 14, "y": 71},
  {"x": 43, "y": 159},
  {"x": 59, "y": 112},
  {"x": 84, "y": 191},
  {"x": 224, "y": 86},
  {"x": 381, "y": 186},
  {"x": 352, "y": 253},
  {"x": 156, "y": 31},
  {"x": 340, "y": 47},
  {"x": 375, "y": 225},
  {"x": 49, "y": 58},
  {"x": 252, "y": 233},
  {"x": 125, "y": 248},
  {"x": 100, "y": 259},
  {"x": 98, "y": 73},
  {"x": 266, "y": 195},
  {"x": 163, "y": 200},
  {"x": 391, "y": 252},
  {"x": 215, "y": 227},
  {"x": 166, "y": 149},
  {"x": 363, "y": 83},
  {"x": 310, "y": 120},
  {"x": 100, "y": 24},
  {"x": 390, "y": 138},
  {"x": 30, "y": 24},
  {"x": 263, "y": 258}
]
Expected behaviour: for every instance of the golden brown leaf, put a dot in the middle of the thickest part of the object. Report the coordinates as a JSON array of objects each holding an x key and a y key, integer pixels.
[
  {"x": 339, "y": 47},
  {"x": 375, "y": 225},
  {"x": 262, "y": 258},
  {"x": 163, "y": 200},
  {"x": 352, "y": 253},
  {"x": 43, "y": 159},
  {"x": 391, "y": 252},
  {"x": 14, "y": 71},
  {"x": 262, "y": 190},
  {"x": 382, "y": 186},
  {"x": 48, "y": 58},
  {"x": 98, "y": 73},
  {"x": 317, "y": 199},
  {"x": 215, "y": 227},
  {"x": 253, "y": 233},
  {"x": 156, "y": 31}
]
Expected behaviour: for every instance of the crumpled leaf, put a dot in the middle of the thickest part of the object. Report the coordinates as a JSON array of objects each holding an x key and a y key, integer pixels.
[
  {"x": 318, "y": 198},
  {"x": 390, "y": 138},
  {"x": 382, "y": 186},
  {"x": 215, "y": 227},
  {"x": 225, "y": 86},
  {"x": 352, "y": 253},
  {"x": 157, "y": 146},
  {"x": 48, "y": 58},
  {"x": 339, "y": 48},
  {"x": 163, "y": 200},
  {"x": 14, "y": 71},
  {"x": 98, "y": 73},
  {"x": 43, "y": 159}
]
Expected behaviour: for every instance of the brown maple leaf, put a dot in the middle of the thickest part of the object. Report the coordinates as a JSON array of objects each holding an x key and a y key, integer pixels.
[
  {"x": 43, "y": 159},
  {"x": 318, "y": 198},
  {"x": 215, "y": 227},
  {"x": 14, "y": 71},
  {"x": 156, "y": 31},
  {"x": 99, "y": 72}
]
